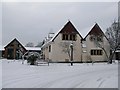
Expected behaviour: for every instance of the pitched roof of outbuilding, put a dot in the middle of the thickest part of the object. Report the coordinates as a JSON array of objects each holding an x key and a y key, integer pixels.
[{"x": 12, "y": 42}]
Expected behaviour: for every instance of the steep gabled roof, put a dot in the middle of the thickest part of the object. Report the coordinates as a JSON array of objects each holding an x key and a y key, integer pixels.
[
  {"x": 86, "y": 30},
  {"x": 95, "y": 30},
  {"x": 68, "y": 28},
  {"x": 12, "y": 42}
]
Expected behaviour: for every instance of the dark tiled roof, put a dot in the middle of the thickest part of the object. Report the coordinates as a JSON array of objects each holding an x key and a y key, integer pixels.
[
  {"x": 69, "y": 29},
  {"x": 13, "y": 41}
]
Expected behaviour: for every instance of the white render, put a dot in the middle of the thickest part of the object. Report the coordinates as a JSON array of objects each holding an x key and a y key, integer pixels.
[
  {"x": 57, "y": 54},
  {"x": 90, "y": 45},
  {"x": 81, "y": 48}
]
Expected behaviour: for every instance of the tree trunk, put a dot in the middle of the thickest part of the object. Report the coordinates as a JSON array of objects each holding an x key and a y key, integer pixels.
[
  {"x": 105, "y": 53},
  {"x": 111, "y": 57}
]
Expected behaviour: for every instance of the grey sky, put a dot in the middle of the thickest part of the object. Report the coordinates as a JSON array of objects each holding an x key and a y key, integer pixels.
[
  {"x": 31, "y": 21},
  {"x": 0, "y": 23}
]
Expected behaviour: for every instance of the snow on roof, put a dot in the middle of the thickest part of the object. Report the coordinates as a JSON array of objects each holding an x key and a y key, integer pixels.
[
  {"x": 61, "y": 29},
  {"x": 56, "y": 34},
  {"x": 85, "y": 31},
  {"x": 33, "y": 48},
  {"x": 1, "y": 47}
]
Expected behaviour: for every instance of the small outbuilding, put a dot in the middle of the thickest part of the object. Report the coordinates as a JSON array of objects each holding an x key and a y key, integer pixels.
[{"x": 14, "y": 50}]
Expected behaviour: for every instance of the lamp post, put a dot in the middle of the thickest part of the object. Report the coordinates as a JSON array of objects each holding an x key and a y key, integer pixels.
[{"x": 71, "y": 58}]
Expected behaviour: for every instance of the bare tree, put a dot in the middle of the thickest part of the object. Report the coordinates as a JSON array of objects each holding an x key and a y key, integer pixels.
[
  {"x": 40, "y": 44},
  {"x": 29, "y": 44},
  {"x": 113, "y": 35},
  {"x": 89, "y": 59},
  {"x": 98, "y": 40},
  {"x": 66, "y": 48}
]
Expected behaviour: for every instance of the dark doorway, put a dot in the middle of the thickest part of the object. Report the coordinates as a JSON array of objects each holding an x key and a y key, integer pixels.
[
  {"x": 117, "y": 55},
  {"x": 10, "y": 54}
]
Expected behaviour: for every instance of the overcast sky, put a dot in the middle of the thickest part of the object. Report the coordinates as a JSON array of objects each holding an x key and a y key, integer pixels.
[{"x": 32, "y": 21}]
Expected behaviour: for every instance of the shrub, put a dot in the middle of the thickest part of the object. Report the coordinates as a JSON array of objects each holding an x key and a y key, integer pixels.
[{"x": 32, "y": 57}]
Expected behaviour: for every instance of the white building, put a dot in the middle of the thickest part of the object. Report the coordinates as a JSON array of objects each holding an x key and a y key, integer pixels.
[{"x": 93, "y": 47}]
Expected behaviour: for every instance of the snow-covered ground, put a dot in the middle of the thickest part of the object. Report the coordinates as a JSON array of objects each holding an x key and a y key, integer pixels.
[
  {"x": 17, "y": 75},
  {"x": 0, "y": 74}
]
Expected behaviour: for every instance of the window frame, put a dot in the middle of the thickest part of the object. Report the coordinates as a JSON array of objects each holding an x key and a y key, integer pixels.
[
  {"x": 98, "y": 52},
  {"x": 70, "y": 37},
  {"x": 49, "y": 48}
]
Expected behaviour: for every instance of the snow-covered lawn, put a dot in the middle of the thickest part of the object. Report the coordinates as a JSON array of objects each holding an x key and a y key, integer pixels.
[
  {"x": 0, "y": 74},
  {"x": 17, "y": 75}
]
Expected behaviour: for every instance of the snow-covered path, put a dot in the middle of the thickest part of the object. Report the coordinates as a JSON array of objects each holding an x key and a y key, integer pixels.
[{"x": 17, "y": 75}]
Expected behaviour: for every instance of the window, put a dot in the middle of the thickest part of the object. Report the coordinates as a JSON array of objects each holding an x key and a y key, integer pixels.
[
  {"x": 65, "y": 37},
  {"x": 92, "y": 52},
  {"x": 92, "y": 38},
  {"x": 69, "y": 37},
  {"x": 98, "y": 38},
  {"x": 50, "y": 48},
  {"x": 73, "y": 37},
  {"x": 96, "y": 52},
  {"x": 84, "y": 51}
]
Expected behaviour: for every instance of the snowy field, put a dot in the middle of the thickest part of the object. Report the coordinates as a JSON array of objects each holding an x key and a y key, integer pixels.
[
  {"x": 17, "y": 75},
  {"x": 0, "y": 74}
]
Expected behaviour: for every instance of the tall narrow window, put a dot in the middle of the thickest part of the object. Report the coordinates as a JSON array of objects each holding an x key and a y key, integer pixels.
[
  {"x": 66, "y": 37},
  {"x": 100, "y": 52},
  {"x": 50, "y": 48},
  {"x": 63, "y": 36},
  {"x": 74, "y": 37},
  {"x": 92, "y": 52},
  {"x": 71, "y": 38}
]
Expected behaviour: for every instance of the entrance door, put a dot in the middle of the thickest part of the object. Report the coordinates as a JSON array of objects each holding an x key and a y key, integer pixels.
[
  {"x": 117, "y": 55},
  {"x": 10, "y": 54}
]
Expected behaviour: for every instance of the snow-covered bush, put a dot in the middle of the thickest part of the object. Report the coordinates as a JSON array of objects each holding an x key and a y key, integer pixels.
[{"x": 32, "y": 57}]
